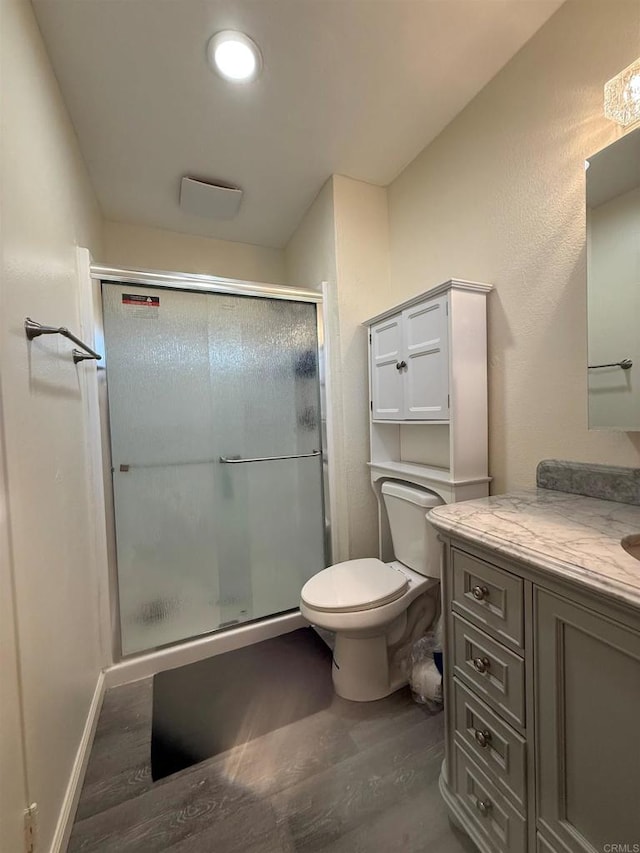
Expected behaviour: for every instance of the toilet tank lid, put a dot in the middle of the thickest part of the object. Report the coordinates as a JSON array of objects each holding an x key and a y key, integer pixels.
[
  {"x": 355, "y": 585},
  {"x": 414, "y": 495}
]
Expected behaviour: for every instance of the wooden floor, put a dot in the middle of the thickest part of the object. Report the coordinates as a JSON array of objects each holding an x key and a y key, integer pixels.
[{"x": 352, "y": 778}]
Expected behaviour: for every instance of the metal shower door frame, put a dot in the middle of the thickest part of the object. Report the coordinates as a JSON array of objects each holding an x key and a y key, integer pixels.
[{"x": 195, "y": 283}]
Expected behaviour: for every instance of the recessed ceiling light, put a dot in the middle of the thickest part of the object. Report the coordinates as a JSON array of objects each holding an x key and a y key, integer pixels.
[{"x": 234, "y": 56}]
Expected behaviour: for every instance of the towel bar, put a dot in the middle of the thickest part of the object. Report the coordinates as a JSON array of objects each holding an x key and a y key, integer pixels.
[{"x": 34, "y": 330}]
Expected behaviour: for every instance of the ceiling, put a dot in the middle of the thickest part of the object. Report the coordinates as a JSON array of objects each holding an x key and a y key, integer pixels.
[{"x": 353, "y": 87}]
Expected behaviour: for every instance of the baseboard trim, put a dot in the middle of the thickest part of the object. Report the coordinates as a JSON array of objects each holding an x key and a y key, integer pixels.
[
  {"x": 72, "y": 794},
  {"x": 192, "y": 651}
]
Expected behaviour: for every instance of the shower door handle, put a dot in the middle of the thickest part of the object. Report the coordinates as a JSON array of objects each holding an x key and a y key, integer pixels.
[{"x": 229, "y": 460}]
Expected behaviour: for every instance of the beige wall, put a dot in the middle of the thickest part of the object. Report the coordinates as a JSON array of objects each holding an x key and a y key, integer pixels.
[
  {"x": 13, "y": 792},
  {"x": 499, "y": 197},
  {"x": 310, "y": 261},
  {"x": 48, "y": 208},
  {"x": 343, "y": 240},
  {"x": 310, "y": 254},
  {"x": 362, "y": 258},
  {"x": 156, "y": 249}
]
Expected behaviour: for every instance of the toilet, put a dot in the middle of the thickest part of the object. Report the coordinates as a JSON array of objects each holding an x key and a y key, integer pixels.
[{"x": 377, "y": 610}]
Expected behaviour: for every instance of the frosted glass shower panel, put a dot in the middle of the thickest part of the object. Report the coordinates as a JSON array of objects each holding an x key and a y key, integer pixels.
[
  {"x": 264, "y": 375},
  {"x": 200, "y": 383}
]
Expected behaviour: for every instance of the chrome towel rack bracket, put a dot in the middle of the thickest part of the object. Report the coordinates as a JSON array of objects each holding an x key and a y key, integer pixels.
[{"x": 34, "y": 330}]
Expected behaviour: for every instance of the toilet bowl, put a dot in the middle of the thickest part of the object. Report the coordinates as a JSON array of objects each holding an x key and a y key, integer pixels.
[{"x": 377, "y": 610}]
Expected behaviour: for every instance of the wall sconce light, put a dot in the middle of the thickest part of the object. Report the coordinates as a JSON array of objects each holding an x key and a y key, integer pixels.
[{"x": 622, "y": 95}]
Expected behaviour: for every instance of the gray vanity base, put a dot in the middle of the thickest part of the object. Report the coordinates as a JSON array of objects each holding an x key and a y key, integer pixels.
[{"x": 542, "y": 677}]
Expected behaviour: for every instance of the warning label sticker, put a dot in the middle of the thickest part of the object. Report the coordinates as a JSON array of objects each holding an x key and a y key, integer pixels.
[{"x": 139, "y": 305}]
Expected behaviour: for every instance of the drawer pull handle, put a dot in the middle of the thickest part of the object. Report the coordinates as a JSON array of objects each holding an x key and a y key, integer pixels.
[
  {"x": 480, "y": 593},
  {"x": 483, "y": 737},
  {"x": 481, "y": 664},
  {"x": 400, "y": 365},
  {"x": 484, "y": 807}
]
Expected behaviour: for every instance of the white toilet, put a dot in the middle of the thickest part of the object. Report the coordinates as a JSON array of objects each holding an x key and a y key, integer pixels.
[{"x": 377, "y": 610}]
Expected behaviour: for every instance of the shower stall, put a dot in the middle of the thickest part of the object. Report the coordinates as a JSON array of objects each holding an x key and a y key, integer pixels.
[{"x": 217, "y": 446}]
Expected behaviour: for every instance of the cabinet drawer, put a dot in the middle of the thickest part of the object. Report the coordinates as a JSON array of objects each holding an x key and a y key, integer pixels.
[
  {"x": 491, "y": 814},
  {"x": 489, "y": 597},
  {"x": 496, "y": 748},
  {"x": 493, "y": 672}
]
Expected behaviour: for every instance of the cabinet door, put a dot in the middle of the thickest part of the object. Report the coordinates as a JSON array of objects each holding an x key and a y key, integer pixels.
[
  {"x": 426, "y": 377},
  {"x": 386, "y": 378},
  {"x": 587, "y": 722}
]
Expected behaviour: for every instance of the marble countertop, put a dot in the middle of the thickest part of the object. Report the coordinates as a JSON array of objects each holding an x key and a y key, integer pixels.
[{"x": 567, "y": 535}]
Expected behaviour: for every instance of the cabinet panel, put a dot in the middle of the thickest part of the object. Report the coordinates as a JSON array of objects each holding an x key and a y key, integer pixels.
[
  {"x": 492, "y": 671},
  {"x": 386, "y": 379},
  {"x": 492, "y": 815},
  {"x": 587, "y": 707},
  {"x": 426, "y": 377},
  {"x": 542, "y": 845},
  {"x": 497, "y": 749},
  {"x": 488, "y": 596}
]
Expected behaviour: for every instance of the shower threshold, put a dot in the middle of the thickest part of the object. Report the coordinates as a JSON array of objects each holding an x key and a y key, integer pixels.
[{"x": 224, "y": 639}]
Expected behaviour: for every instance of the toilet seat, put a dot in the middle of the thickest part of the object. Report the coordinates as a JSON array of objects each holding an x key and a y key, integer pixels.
[{"x": 353, "y": 586}]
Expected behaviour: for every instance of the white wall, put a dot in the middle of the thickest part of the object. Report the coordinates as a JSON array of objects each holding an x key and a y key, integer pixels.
[
  {"x": 156, "y": 249},
  {"x": 614, "y": 310},
  {"x": 499, "y": 197},
  {"x": 48, "y": 208},
  {"x": 343, "y": 240}
]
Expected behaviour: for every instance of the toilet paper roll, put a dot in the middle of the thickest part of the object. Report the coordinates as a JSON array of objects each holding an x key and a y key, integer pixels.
[{"x": 426, "y": 681}]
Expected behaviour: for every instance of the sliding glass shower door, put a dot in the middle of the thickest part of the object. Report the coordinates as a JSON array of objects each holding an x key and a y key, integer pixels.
[{"x": 216, "y": 454}]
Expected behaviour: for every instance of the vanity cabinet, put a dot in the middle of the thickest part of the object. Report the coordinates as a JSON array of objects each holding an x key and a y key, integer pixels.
[
  {"x": 409, "y": 363},
  {"x": 542, "y": 697},
  {"x": 587, "y": 680}
]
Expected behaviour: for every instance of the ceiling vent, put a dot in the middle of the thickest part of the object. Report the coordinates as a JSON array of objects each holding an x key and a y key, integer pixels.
[{"x": 209, "y": 200}]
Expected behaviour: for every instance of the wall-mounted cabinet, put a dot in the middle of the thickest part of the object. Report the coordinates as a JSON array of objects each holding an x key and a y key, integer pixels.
[
  {"x": 409, "y": 363},
  {"x": 428, "y": 393}
]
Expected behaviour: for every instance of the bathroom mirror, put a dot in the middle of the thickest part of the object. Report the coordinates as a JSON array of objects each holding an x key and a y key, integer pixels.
[{"x": 613, "y": 284}]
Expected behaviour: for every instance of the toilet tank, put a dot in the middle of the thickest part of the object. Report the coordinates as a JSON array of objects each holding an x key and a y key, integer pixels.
[{"x": 415, "y": 542}]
